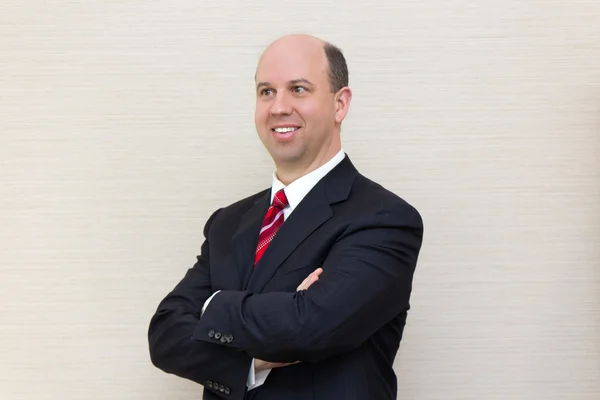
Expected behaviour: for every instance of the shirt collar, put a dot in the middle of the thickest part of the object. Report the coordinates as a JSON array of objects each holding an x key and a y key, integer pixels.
[{"x": 296, "y": 190}]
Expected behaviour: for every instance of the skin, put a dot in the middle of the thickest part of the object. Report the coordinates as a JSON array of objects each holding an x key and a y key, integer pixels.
[{"x": 293, "y": 90}]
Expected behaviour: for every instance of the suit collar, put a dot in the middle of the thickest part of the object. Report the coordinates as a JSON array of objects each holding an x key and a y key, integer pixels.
[{"x": 299, "y": 188}]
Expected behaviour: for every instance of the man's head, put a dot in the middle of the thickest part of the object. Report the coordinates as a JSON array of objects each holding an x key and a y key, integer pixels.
[{"x": 302, "y": 97}]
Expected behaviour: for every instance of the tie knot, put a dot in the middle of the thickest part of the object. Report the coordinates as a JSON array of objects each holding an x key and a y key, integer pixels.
[{"x": 280, "y": 201}]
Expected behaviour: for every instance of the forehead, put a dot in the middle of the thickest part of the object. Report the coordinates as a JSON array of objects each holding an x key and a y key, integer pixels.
[{"x": 284, "y": 63}]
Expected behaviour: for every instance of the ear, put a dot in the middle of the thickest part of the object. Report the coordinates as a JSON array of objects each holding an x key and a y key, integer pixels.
[{"x": 342, "y": 103}]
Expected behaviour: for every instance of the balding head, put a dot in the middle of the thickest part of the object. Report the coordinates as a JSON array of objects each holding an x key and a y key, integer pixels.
[
  {"x": 298, "y": 39},
  {"x": 314, "y": 48}
]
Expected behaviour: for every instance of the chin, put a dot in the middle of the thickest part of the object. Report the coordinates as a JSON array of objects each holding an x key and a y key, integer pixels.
[{"x": 286, "y": 157}]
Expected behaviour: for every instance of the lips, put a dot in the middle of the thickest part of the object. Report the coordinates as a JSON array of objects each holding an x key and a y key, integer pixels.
[
  {"x": 285, "y": 133},
  {"x": 285, "y": 129}
]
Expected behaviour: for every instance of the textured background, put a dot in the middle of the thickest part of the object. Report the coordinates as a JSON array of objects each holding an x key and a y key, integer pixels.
[{"x": 124, "y": 124}]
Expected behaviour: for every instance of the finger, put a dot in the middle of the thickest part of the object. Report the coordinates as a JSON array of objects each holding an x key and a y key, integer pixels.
[
  {"x": 314, "y": 276},
  {"x": 312, "y": 280},
  {"x": 303, "y": 285}
]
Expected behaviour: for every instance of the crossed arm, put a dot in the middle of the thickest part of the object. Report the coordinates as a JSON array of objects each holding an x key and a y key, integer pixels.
[
  {"x": 171, "y": 328},
  {"x": 366, "y": 281},
  {"x": 171, "y": 346}
]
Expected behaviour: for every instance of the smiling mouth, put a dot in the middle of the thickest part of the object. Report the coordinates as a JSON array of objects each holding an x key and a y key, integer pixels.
[
  {"x": 286, "y": 129},
  {"x": 285, "y": 134}
]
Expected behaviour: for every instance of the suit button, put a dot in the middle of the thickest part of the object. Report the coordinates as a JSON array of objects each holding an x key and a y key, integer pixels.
[
  {"x": 209, "y": 384},
  {"x": 221, "y": 388},
  {"x": 229, "y": 338},
  {"x": 227, "y": 391},
  {"x": 218, "y": 335},
  {"x": 224, "y": 339},
  {"x": 211, "y": 333}
]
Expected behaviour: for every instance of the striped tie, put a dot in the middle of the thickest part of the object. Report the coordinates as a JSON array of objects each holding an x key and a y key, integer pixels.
[{"x": 271, "y": 224}]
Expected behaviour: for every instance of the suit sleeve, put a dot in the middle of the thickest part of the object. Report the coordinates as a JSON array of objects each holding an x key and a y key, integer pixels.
[
  {"x": 366, "y": 282},
  {"x": 172, "y": 349}
]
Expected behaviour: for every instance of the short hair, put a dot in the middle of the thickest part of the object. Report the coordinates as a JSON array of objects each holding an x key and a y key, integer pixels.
[{"x": 338, "y": 70}]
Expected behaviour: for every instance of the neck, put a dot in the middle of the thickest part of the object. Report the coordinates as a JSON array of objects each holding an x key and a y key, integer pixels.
[{"x": 288, "y": 173}]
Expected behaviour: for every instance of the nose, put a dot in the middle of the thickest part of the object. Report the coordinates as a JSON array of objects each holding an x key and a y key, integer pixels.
[{"x": 281, "y": 105}]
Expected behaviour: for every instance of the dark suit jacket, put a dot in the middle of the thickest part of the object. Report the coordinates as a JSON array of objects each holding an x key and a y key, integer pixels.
[{"x": 345, "y": 329}]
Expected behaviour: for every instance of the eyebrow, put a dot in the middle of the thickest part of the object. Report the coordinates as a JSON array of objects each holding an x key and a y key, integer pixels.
[{"x": 292, "y": 82}]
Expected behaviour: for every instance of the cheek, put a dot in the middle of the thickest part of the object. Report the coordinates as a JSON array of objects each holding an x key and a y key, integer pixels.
[
  {"x": 317, "y": 112},
  {"x": 261, "y": 115},
  {"x": 310, "y": 112}
]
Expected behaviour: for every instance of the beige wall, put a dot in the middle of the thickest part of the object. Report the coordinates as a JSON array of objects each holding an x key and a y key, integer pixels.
[{"x": 123, "y": 124}]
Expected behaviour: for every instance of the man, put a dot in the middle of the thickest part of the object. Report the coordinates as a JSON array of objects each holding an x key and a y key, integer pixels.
[{"x": 301, "y": 291}]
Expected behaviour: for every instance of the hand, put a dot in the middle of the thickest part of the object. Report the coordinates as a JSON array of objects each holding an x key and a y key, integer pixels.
[{"x": 310, "y": 279}]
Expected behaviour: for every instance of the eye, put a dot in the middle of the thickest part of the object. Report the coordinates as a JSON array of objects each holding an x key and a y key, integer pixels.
[
  {"x": 299, "y": 89},
  {"x": 266, "y": 92}
]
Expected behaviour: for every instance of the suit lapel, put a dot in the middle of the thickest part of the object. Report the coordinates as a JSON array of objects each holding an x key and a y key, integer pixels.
[
  {"x": 312, "y": 212},
  {"x": 245, "y": 238}
]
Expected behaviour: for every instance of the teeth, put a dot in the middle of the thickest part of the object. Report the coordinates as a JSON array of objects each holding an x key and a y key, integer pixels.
[{"x": 285, "y": 130}]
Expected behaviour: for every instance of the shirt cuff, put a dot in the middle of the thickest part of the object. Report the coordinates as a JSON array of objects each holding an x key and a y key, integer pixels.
[
  {"x": 256, "y": 379},
  {"x": 208, "y": 301}
]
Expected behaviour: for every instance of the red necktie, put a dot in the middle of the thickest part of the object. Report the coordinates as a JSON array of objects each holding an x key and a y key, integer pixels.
[{"x": 271, "y": 224}]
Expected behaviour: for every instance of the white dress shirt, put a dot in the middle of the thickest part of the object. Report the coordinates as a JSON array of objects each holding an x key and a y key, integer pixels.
[{"x": 295, "y": 192}]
